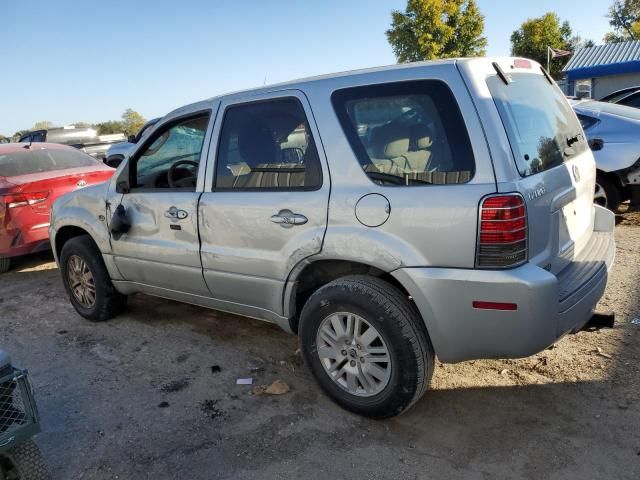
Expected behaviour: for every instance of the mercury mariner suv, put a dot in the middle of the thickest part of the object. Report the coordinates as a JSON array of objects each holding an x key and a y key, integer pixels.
[{"x": 385, "y": 216}]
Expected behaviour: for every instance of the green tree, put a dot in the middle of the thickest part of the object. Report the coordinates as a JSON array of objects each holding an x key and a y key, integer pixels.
[
  {"x": 132, "y": 121},
  {"x": 82, "y": 125},
  {"x": 111, "y": 126},
  {"x": 624, "y": 17},
  {"x": 18, "y": 134},
  {"x": 430, "y": 29},
  {"x": 43, "y": 125},
  {"x": 536, "y": 34}
]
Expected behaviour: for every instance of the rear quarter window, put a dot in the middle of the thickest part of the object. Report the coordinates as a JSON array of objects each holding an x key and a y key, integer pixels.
[{"x": 406, "y": 133}]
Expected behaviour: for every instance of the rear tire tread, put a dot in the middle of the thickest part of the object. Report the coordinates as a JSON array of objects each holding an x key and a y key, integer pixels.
[{"x": 27, "y": 461}]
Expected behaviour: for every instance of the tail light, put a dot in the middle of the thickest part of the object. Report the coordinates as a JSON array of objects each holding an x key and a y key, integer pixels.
[
  {"x": 15, "y": 200},
  {"x": 502, "y": 232}
]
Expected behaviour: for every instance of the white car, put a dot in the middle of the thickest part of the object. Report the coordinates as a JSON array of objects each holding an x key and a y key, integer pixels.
[{"x": 613, "y": 132}]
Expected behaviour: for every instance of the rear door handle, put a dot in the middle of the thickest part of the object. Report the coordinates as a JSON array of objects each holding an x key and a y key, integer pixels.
[
  {"x": 176, "y": 213},
  {"x": 288, "y": 219}
]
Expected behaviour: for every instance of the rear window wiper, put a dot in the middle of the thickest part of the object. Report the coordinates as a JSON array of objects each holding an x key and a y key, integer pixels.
[
  {"x": 501, "y": 73},
  {"x": 575, "y": 139}
]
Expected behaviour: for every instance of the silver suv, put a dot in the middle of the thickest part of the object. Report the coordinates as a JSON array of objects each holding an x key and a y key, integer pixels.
[{"x": 385, "y": 216}]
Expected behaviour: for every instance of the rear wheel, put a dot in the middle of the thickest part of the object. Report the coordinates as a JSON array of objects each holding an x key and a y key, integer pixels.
[
  {"x": 23, "y": 462},
  {"x": 365, "y": 344},
  {"x": 606, "y": 194},
  {"x": 87, "y": 281},
  {"x": 5, "y": 264}
]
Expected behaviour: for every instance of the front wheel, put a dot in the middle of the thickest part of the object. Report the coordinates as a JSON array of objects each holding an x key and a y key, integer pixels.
[
  {"x": 23, "y": 462},
  {"x": 87, "y": 281},
  {"x": 366, "y": 346}
]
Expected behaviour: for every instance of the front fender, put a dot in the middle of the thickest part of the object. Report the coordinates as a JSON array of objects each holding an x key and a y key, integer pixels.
[{"x": 84, "y": 209}]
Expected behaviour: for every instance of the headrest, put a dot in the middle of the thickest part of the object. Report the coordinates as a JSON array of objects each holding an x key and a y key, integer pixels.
[
  {"x": 422, "y": 135},
  {"x": 396, "y": 148},
  {"x": 256, "y": 144},
  {"x": 390, "y": 141}
]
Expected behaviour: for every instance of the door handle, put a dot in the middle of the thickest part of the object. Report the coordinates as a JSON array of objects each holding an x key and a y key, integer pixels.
[
  {"x": 288, "y": 219},
  {"x": 176, "y": 213}
]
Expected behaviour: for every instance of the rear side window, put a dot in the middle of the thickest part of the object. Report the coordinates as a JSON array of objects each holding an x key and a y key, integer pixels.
[
  {"x": 406, "y": 133},
  {"x": 36, "y": 161},
  {"x": 542, "y": 128},
  {"x": 267, "y": 145}
]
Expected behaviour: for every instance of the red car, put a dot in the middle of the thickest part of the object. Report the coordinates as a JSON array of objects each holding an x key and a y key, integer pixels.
[{"x": 32, "y": 176}]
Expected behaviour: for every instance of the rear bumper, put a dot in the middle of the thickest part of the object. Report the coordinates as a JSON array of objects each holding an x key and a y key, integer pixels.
[
  {"x": 549, "y": 306},
  {"x": 24, "y": 241}
]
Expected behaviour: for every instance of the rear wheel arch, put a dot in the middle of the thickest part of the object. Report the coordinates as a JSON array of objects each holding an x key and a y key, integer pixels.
[{"x": 315, "y": 275}]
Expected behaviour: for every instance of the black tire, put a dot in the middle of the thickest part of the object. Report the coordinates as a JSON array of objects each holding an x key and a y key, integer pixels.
[
  {"x": 611, "y": 199},
  {"x": 397, "y": 320},
  {"x": 24, "y": 462},
  {"x": 108, "y": 301},
  {"x": 5, "y": 264}
]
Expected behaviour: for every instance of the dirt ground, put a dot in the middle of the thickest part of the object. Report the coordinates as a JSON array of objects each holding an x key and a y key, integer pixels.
[{"x": 137, "y": 398}]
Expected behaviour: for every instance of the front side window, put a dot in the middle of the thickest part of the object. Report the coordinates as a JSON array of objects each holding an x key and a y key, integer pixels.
[
  {"x": 542, "y": 128},
  {"x": 267, "y": 145},
  {"x": 172, "y": 158},
  {"x": 406, "y": 133}
]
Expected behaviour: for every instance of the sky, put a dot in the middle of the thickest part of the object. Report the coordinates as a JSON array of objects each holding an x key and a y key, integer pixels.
[{"x": 88, "y": 60}]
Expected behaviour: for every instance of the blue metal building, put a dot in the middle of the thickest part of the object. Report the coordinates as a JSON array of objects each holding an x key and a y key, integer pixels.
[{"x": 598, "y": 71}]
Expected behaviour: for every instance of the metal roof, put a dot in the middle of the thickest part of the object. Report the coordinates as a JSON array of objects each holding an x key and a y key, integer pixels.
[{"x": 609, "y": 59}]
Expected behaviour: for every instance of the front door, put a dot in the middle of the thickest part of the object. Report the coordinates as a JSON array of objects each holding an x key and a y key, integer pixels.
[
  {"x": 265, "y": 206},
  {"x": 162, "y": 248}
]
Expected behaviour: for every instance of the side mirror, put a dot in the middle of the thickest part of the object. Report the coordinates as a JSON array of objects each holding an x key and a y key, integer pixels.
[
  {"x": 113, "y": 162},
  {"x": 131, "y": 139},
  {"x": 119, "y": 222},
  {"x": 596, "y": 144}
]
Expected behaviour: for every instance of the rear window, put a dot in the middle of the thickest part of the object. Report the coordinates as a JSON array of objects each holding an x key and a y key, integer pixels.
[
  {"x": 406, "y": 133},
  {"x": 35, "y": 161},
  {"x": 542, "y": 128}
]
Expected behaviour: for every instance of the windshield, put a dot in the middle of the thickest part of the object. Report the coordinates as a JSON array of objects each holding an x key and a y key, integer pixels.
[
  {"x": 27, "y": 161},
  {"x": 542, "y": 128}
]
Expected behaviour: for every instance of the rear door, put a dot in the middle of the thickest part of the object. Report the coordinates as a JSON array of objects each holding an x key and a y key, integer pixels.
[
  {"x": 546, "y": 158},
  {"x": 264, "y": 208}
]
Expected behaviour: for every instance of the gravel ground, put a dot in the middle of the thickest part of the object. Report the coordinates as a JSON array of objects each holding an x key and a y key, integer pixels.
[{"x": 137, "y": 398}]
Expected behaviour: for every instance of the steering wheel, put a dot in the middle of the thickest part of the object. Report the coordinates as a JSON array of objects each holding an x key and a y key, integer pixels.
[{"x": 185, "y": 182}]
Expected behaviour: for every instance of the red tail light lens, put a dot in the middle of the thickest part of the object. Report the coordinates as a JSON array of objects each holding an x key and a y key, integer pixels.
[
  {"x": 16, "y": 200},
  {"x": 502, "y": 232}
]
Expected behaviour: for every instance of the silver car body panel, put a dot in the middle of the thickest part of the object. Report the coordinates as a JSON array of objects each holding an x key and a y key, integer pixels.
[
  {"x": 230, "y": 256},
  {"x": 619, "y": 128}
]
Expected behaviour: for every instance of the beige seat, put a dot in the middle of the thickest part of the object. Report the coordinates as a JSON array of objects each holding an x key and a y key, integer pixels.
[
  {"x": 419, "y": 159},
  {"x": 389, "y": 145}
]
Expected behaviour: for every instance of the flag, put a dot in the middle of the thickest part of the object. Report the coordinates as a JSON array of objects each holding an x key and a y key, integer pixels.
[{"x": 556, "y": 52}]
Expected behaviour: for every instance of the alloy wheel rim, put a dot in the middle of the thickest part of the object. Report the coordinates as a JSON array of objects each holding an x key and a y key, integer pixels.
[
  {"x": 600, "y": 196},
  {"x": 81, "y": 281},
  {"x": 354, "y": 354}
]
